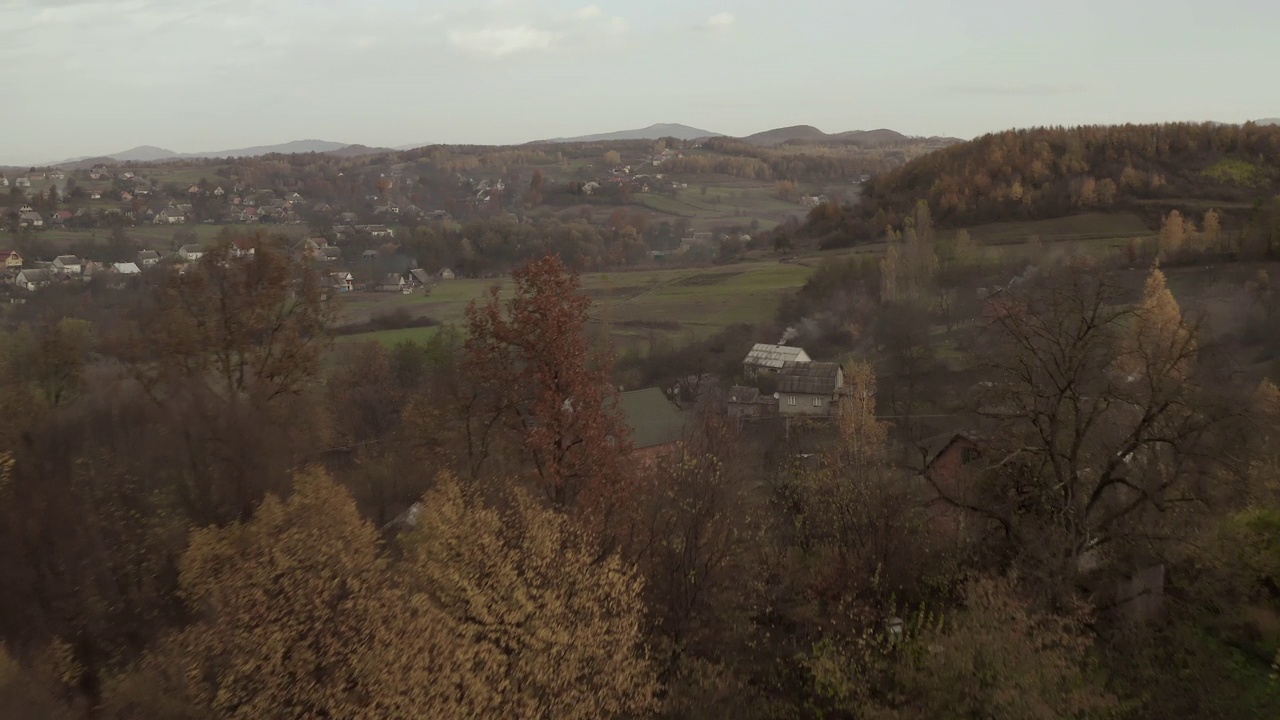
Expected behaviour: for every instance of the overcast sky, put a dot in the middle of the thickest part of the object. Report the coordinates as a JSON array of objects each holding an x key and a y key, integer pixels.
[{"x": 85, "y": 77}]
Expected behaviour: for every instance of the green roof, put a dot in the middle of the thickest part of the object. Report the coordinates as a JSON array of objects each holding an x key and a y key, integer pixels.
[{"x": 653, "y": 419}]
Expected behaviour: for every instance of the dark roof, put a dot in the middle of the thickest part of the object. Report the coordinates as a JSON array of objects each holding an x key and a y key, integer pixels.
[
  {"x": 333, "y": 252},
  {"x": 654, "y": 420},
  {"x": 809, "y": 378},
  {"x": 421, "y": 275},
  {"x": 746, "y": 394},
  {"x": 148, "y": 255},
  {"x": 191, "y": 249},
  {"x": 67, "y": 260}
]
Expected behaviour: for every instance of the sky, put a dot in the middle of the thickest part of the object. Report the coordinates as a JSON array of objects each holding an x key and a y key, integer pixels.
[{"x": 90, "y": 77}]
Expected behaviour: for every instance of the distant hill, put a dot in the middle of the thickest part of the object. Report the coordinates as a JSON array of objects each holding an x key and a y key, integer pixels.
[
  {"x": 1054, "y": 172},
  {"x": 777, "y": 136},
  {"x": 1268, "y": 121},
  {"x": 144, "y": 153},
  {"x": 653, "y": 132},
  {"x": 809, "y": 133},
  {"x": 150, "y": 153}
]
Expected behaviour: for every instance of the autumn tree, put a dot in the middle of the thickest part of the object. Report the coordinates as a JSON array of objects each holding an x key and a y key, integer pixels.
[
  {"x": 287, "y": 617},
  {"x": 854, "y": 511},
  {"x": 999, "y": 657},
  {"x": 230, "y": 347},
  {"x": 1106, "y": 435},
  {"x": 1172, "y": 235},
  {"x": 536, "y": 623},
  {"x": 612, "y": 158},
  {"x": 1211, "y": 233},
  {"x": 533, "y": 370}
]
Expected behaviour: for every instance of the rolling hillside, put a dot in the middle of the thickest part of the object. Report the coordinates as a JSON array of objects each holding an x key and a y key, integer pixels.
[{"x": 1054, "y": 172}]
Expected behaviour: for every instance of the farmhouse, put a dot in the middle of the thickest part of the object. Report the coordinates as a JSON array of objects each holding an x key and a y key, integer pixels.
[
  {"x": 766, "y": 358},
  {"x": 10, "y": 260},
  {"x": 32, "y": 279},
  {"x": 342, "y": 281},
  {"x": 393, "y": 282},
  {"x": 30, "y": 219},
  {"x": 809, "y": 388},
  {"x": 126, "y": 268},
  {"x": 147, "y": 258},
  {"x": 656, "y": 423},
  {"x": 68, "y": 265},
  {"x": 446, "y": 274},
  {"x": 169, "y": 217},
  {"x": 191, "y": 253}
]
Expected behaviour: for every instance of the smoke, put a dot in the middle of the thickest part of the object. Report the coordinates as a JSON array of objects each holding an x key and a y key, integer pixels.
[{"x": 788, "y": 335}]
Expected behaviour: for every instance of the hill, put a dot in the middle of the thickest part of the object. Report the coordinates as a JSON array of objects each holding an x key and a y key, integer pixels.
[
  {"x": 150, "y": 153},
  {"x": 1268, "y": 121},
  {"x": 653, "y": 132},
  {"x": 144, "y": 153},
  {"x": 1053, "y": 172},
  {"x": 812, "y": 135},
  {"x": 777, "y": 136}
]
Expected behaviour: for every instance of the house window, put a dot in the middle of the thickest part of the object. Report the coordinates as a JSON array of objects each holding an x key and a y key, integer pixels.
[
  {"x": 791, "y": 400},
  {"x": 969, "y": 455},
  {"x": 817, "y": 402}
]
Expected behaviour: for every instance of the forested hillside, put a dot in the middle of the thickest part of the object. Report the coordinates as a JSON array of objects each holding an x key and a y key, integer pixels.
[{"x": 1051, "y": 172}]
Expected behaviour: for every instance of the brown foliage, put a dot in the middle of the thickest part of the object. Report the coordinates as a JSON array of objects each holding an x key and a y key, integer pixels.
[{"x": 532, "y": 370}]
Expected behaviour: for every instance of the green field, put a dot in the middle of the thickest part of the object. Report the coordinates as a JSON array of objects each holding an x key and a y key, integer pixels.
[
  {"x": 390, "y": 338},
  {"x": 637, "y": 306}
]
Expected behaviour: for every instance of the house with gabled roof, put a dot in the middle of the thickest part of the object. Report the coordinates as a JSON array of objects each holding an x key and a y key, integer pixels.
[
  {"x": 147, "y": 258},
  {"x": 765, "y": 358},
  {"x": 809, "y": 388},
  {"x": 68, "y": 265},
  {"x": 191, "y": 253},
  {"x": 32, "y": 279},
  {"x": 10, "y": 260}
]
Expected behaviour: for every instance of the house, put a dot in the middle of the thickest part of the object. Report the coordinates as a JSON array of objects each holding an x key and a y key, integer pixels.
[
  {"x": 369, "y": 255},
  {"x": 10, "y": 260},
  {"x": 310, "y": 249},
  {"x": 95, "y": 194},
  {"x": 31, "y": 219},
  {"x": 33, "y": 279},
  {"x": 293, "y": 197},
  {"x": 191, "y": 253},
  {"x": 22, "y": 182},
  {"x": 332, "y": 253},
  {"x": 342, "y": 281},
  {"x": 242, "y": 248},
  {"x": 809, "y": 388},
  {"x": 126, "y": 196},
  {"x": 57, "y": 175},
  {"x": 4, "y": 181},
  {"x": 378, "y": 231},
  {"x": 193, "y": 190},
  {"x": 169, "y": 216},
  {"x": 656, "y": 423},
  {"x": 147, "y": 258},
  {"x": 766, "y": 358},
  {"x": 421, "y": 277},
  {"x": 219, "y": 192},
  {"x": 446, "y": 274},
  {"x": 68, "y": 265},
  {"x": 126, "y": 268},
  {"x": 948, "y": 463},
  {"x": 393, "y": 282}
]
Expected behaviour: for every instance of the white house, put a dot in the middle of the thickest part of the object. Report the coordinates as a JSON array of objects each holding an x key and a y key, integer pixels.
[
  {"x": 126, "y": 268},
  {"x": 766, "y": 358},
  {"x": 191, "y": 253},
  {"x": 68, "y": 265},
  {"x": 32, "y": 279}
]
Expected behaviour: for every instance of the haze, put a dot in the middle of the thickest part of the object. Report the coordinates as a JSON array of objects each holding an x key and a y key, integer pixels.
[{"x": 97, "y": 76}]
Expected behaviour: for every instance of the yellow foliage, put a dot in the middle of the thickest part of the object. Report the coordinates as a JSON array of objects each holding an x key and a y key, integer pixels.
[
  {"x": 538, "y": 624},
  {"x": 1160, "y": 343}
]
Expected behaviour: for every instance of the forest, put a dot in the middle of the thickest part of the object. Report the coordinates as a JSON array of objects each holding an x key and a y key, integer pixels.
[
  {"x": 1051, "y": 172},
  {"x": 208, "y": 509}
]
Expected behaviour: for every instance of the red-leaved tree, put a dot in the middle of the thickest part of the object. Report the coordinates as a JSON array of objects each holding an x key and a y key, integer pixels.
[{"x": 534, "y": 372}]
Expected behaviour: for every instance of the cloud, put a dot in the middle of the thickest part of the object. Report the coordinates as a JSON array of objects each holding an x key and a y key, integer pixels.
[
  {"x": 590, "y": 11},
  {"x": 1032, "y": 90},
  {"x": 720, "y": 20},
  {"x": 502, "y": 41}
]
